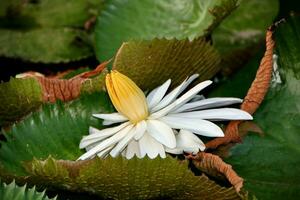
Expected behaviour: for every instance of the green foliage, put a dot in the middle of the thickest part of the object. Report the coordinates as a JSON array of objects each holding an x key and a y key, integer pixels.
[
  {"x": 239, "y": 34},
  {"x": 143, "y": 61},
  {"x": 56, "y": 13},
  {"x": 47, "y": 31},
  {"x": 18, "y": 97},
  {"x": 269, "y": 163},
  {"x": 14, "y": 192},
  {"x": 121, "y": 21},
  {"x": 45, "y": 45},
  {"x": 56, "y": 130},
  {"x": 119, "y": 178}
]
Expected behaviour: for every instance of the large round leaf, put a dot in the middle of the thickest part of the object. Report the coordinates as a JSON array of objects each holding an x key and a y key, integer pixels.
[
  {"x": 150, "y": 63},
  {"x": 122, "y": 21},
  {"x": 269, "y": 163},
  {"x": 56, "y": 131}
]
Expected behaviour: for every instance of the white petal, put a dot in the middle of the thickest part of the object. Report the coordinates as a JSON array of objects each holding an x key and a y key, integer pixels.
[
  {"x": 174, "y": 93},
  {"x": 104, "y": 152},
  {"x": 141, "y": 128},
  {"x": 197, "y": 97},
  {"x": 198, "y": 126},
  {"x": 108, "y": 122},
  {"x": 149, "y": 146},
  {"x": 216, "y": 114},
  {"x": 106, "y": 143},
  {"x": 207, "y": 103},
  {"x": 157, "y": 94},
  {"x": 123, "y": 143},
  {"x": 112, "y": 117},
  {"x": 98, "y": 135},
  {"x": 133, "y": 149},
  {"x": 182, "y": 100},
  {"x": 161, "y": 132},
  {"x": 188, "y": 142}
]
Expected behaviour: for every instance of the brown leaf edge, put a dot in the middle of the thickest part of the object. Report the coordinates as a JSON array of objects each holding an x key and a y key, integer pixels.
[
  {"x": 54, "y": 88},
  {"x": 255, "y": 95},
  {"x": 214, "y": 166}
]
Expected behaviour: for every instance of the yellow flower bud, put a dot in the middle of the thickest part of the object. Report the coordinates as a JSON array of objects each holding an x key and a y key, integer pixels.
[{"x": 126, "y": 96}]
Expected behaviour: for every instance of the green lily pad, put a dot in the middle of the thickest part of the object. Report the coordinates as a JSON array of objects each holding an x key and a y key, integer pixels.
[
  {"x": 121, "y": 21},
  {"x": 269, "y": 163},
  {"x": 18, "y": 97},
  {"x": 239, "y": 35},
  {"x": 150, "y": 63},
  {"x": 66, "y": 45},
  {"x": 47, "y": 31},
  {"x": 56, "y": 131},
  {"x": 56, "y": 13},
  {"x": 14, "y": 192},
  {"x": 119, "y": 178}
]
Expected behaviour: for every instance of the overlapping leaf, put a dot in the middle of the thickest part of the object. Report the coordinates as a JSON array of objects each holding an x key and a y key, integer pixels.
[
  {"x": 45, "y": 45},
  {"x": 46, "y": 31},
  {"x": 239, "y": 35},
  {"x": 14, "y": 192},
  {"x": 21, "y": 96},
  {"x": 57, "y": 129},
  {"x": 121, "y": 21},
  {"x": 269, "y": 163},
  {"x": 18, "y": 98},
  {"x": 150, "y": 63}
]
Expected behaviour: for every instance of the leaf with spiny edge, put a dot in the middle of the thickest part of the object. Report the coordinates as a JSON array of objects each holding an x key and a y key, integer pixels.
[
  {"x": 14, "y": 192},
  {"x": 56, "y": 131},
  {"x": 150, "y": 63},
  {"x": 121, "y": 21},
  {"x": 18, "y": 97},
  {"x": 119, "y": 178}
]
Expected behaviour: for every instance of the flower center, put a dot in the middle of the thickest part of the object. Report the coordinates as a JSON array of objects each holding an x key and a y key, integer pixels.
[{"x": 126, "y": 96}]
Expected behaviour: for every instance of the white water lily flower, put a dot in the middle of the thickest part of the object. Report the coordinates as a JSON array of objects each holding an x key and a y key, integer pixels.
[{"x": 148, "y": 126}]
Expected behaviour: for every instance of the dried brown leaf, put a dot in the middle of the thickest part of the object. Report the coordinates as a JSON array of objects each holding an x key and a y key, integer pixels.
[
  {"x": 214, "y": 166},
  {"x": 54, "y": 88},
  {"x": 255, "y": 95}
]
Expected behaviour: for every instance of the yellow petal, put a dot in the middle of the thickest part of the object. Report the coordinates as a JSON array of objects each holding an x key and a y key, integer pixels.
[{"x": 126, "y": 96}]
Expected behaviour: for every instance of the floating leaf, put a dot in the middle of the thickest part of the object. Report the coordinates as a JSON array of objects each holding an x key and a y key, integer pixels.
[
  {"x": 56, "y": 13},
  {"x": 239, "y": 34},
  {"x": 14, "y": 192},
  {"x": 150, "y": 63},
  {"x": 119, "y": 178},
  {"x": 47, "y": 31},
  {"x": 255, "y": 94},
  {"x": 269, "y": 163},
  {"x": 57, "y": 130},
  {"x": 121, "y": 21},
  {"x": 66, "y": 45},
  {"x": 18, "y": 98}
]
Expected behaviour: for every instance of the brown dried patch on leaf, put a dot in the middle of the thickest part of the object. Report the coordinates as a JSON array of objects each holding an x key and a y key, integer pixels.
[
  {"x": 54, "y": 88},
  {"x": 214, "y": 166},
  {"x": 255, "y": 95}
]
